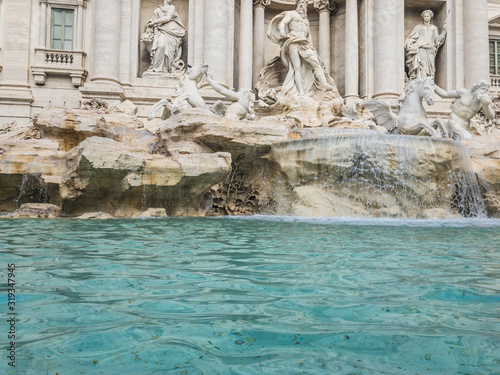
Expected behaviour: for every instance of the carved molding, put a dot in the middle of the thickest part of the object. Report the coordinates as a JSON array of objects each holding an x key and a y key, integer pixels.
[
  {"x": 261, "y": 3},
  {"x": 325, "y": 5},
  {"x": 64, "y": 2}
]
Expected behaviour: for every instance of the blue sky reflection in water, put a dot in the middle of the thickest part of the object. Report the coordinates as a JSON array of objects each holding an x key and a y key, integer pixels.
[{"x": 254, "y": 295}]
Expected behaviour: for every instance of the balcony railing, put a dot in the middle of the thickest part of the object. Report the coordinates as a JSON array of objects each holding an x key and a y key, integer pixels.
[
  {"x": 58, "y": 62},
  {"x": 495, "y": 82}
]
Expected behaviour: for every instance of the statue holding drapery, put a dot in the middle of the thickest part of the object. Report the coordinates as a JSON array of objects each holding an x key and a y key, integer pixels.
[
  {"x": 163, "y": 38},
  {"x": 421, "y": 47}
]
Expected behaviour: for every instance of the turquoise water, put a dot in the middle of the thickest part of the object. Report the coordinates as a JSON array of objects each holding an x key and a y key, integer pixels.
[{"x": 253, "y": 296}]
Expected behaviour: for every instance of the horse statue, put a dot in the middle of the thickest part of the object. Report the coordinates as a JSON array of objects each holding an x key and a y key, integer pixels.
[
  {"x": 411, "y": 118},
  {"x": 187, "y": 91}
]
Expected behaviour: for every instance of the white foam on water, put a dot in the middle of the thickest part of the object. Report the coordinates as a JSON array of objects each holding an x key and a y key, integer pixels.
[{"x": 345, "y": 220}]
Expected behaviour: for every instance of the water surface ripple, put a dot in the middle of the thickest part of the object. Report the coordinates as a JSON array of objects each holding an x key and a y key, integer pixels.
[{"x": 254, "y": 295}]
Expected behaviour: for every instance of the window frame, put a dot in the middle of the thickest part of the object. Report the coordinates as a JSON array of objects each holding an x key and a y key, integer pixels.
[
  {"x": 73, "y": 26},
  {"x": 496, "y": 56},
  {"x": 49, "y": 25}
]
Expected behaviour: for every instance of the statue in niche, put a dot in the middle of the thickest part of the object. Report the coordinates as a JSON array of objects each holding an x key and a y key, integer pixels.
[
  {"x": 467, "y": 104},
  {"x": 421, "y": 47},
  {"x": 290, "y": 30},
  {"x": 163, "y": 36},
  {"x": 296, "y": 83}
]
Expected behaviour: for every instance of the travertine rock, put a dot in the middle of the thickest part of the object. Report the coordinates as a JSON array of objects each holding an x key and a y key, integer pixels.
[
  {"x": 154, "y": 212},
  {"x": 95, "y": 216},
  {"x": 70, "y": 127},
  {"x": 105, "y": 175},
  {"x": 485, "y": 154},
  {"x": 127, "y": 107},
  {"x": 30, "y": 169},
  {"x": 252, "y": 138},
  {"x": 37, "y": 211},
  {"x": 487, "y": 146}
]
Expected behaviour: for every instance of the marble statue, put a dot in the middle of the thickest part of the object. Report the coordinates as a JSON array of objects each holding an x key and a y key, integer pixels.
[
  {"x": 190, "y": 97},
  {"x": 411, "y": 119},
  {"x": 466, "y": 105},
  {"x": 421, "y": 47},
  {"x": 188, "y": 93},
  {"x": 241, "y": 108},
  {"x": 163, "y": 37},
  {"x": 290, "y": 29}
]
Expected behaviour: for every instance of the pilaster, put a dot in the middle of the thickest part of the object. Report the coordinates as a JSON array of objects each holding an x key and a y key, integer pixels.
[
  {"x": 476, "y": 52},
  {"x": 105, "y": 76},
  {"x": 351, "y": 52},
  {"x": 215, "y": 39},
  {"x": 246, "y": 47},
  {"x": 324, "y": 8},
  {"x": 388, "y": 39},
  {"x": 259, "y": 37}
]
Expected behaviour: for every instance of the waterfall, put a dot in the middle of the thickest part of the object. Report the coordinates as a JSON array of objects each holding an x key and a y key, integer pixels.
[
  {"x": 33, "y": 189},
  {"x": 366, "y": 175}
]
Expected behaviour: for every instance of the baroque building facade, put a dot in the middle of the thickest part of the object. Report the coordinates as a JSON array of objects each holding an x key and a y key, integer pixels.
[{"x": 61, "y": 52}]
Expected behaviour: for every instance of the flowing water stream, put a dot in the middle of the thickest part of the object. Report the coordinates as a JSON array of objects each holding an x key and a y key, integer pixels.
[{"x": 368, "y": 175}]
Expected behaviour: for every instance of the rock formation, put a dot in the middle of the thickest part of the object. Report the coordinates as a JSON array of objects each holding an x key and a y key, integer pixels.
[{"x": 103, "y": 163}]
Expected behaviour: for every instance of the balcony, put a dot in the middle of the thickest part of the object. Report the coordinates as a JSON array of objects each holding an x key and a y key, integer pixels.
[
  {"x": 495, "y": 85},
  {"x": 59, "y": 62}
]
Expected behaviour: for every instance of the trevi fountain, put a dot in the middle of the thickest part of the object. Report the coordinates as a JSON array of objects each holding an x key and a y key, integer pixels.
[{"x": 302, "y": 232}]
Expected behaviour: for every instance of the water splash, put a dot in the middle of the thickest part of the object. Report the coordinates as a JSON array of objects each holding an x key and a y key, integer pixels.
[{"x": 375, "y": 176}]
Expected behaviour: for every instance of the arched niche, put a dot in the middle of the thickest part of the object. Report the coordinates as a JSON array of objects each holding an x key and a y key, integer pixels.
[
  {"x": 147, "y": 9},
  {"x": 413, "y": 10}
]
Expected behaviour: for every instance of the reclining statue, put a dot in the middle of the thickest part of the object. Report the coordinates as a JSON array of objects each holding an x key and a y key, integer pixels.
[{"x": 466, "y": 105}]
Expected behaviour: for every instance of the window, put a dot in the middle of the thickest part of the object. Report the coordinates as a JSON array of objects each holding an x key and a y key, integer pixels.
[
  {"x": 62, "y": 30},
  {"x": 494, "y": 57}
]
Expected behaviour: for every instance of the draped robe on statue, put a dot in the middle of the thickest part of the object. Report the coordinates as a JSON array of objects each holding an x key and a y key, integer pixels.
[
  {"x": 166, "y": 48},
  {"x": 421, "y": 47},
  {"x": 306, "y": 51}
]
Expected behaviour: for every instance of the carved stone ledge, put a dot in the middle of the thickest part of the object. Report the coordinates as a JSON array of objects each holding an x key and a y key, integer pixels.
[
  {"x": 58, "y": 62},
  {"x": 64, "y": 2}
]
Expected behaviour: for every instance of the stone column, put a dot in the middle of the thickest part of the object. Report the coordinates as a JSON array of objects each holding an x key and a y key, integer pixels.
[
  {"x": 199, "y": 30},
  {"x": 259, "y": 35},
  {"x": 351, "y": 52},
  {"x": 107, "y": 27},
  {"x": 42, "y": 33},
  {"x": 135, "y": 32},
  {"x": 324, "y": 7},
  {"x": 79, "y": 28},
  {"x": 246, "y": 48},
  {"x": 215, "y": 40},
  {"x": 476, "y": 48},
  {"x": 388, "y": 48}
]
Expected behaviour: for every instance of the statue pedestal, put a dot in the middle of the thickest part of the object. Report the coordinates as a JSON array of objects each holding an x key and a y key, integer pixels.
[{"x": 161, "y": 75}]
